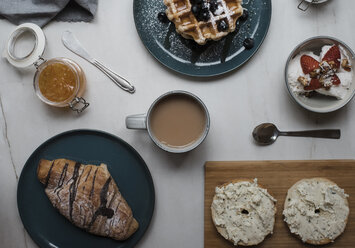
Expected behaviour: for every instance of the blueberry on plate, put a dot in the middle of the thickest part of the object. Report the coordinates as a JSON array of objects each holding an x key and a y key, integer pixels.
[
  {"x": 195, "y": 9},
  {"x": 205, "y": 6},
  {"x": 244, "y": 16},
  {"x": 213, "y": 5},
  {"x": 204, "y": 15},
  {"x": 248, "y": 43},
  {"x": 162, "y": 17},
  {"x": 222, "y": 26}
]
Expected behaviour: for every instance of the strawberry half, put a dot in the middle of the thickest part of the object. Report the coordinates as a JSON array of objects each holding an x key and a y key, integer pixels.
[
  {"x": 335, "y": 80},
  {"x": 314, "y": 84},
  {"x": 308, "y": 64},
  {"x": 333, "y": 54}
]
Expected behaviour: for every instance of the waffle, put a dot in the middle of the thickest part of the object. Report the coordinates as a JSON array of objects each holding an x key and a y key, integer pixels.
[{"x": 186, "y": 24}]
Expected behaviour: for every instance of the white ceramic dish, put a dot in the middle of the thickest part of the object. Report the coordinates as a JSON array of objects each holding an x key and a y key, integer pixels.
[
  {"x": 316, "y": 1},
  {"x": 304, "y": 4},
  {"x": 320, "y": 103}
]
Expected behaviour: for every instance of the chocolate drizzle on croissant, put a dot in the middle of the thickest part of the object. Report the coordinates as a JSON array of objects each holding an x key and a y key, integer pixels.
[{"x": 90, "y": 200}]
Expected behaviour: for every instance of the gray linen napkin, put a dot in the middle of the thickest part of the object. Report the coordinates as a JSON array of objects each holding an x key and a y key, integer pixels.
[{"x": 41, "y": 12}]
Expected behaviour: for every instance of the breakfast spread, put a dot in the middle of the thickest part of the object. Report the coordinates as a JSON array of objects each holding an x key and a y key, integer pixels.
[
  {"x": 88, "y": 197},
  {"x": 203, "y": 20},
  {"x": 316, "y": 210},
  {"x": 243, "y": 212},
  {"x": 329, "y": 74}
]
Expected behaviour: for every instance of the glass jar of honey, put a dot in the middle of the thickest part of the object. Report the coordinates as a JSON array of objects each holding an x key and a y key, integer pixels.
[{"x": 58, "y": 82}]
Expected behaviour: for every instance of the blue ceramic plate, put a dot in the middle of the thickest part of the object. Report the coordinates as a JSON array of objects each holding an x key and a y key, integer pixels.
[
  {"x": 185, "y": 56},
  {"x": 47, "y": 227}
]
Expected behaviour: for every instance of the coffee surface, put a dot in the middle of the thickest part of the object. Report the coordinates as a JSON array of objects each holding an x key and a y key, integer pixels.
[{"x": 177, "y": 120}]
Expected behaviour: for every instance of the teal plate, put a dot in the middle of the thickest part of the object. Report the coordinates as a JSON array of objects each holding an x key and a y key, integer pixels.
[
  {"x": 185, "y": 56},
  {"x": 46, "y": 226}
]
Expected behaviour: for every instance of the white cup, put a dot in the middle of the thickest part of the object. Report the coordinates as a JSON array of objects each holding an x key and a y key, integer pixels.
[{"x": 142, "y": 121}]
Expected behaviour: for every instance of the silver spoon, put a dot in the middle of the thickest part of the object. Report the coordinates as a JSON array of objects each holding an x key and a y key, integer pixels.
[{"x": 267, "y": 133}]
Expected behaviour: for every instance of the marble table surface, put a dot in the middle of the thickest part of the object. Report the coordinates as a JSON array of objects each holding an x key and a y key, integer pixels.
[{"x": 237, "y": 102}]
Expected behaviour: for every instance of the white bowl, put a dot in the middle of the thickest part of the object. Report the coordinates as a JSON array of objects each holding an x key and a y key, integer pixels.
[{"x": 319, "y": 103}]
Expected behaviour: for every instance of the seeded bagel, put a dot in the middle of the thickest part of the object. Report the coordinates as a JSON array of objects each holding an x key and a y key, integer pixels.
[
  {"x": 243, "y": 212},
  {"x": 316, "y": 210}
]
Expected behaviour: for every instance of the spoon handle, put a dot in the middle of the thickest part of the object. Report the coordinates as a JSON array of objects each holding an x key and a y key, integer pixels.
[{"x": 326, "y": 133}]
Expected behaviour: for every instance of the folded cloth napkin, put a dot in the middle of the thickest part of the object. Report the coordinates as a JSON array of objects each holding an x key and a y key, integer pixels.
[{"x": 41, "y": 12}]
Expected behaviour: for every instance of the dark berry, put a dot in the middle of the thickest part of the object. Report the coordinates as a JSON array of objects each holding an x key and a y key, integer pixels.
[
  {"x": 248, "y": 43},
  {"x": 222, "y": 26},
  {"x": 204, "y": 16},
  {"x": 195, "y": 9},
  {"x": 245, "y": 15},
  {"x": 205, "y": 6},
  {"x": 162, "y": 17},
  {"x": 213, "y": 6}
]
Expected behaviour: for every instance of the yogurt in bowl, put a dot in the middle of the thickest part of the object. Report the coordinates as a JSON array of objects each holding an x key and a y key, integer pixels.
[{"x": 319, "y": 74}]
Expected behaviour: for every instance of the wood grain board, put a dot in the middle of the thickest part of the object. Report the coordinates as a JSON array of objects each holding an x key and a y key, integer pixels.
[{"x": 278, "y": 177}]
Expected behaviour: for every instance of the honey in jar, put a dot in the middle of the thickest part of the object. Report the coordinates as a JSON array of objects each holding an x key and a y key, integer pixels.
[{"x": 58, "y": 81}]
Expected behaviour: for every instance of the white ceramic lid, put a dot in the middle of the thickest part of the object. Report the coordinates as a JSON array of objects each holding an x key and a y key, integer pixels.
[{"x": 34, "y": 54}]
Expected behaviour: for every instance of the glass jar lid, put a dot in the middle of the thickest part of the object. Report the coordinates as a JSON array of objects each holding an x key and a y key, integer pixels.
[{"x": 22, "y": 61}]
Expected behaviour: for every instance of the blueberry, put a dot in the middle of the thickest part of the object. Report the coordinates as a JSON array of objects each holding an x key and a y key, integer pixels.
[
  {"x": 222, "y": 26},
  {"x": 213, "y": 6},
  {"x": 162, "y": 17},
  {"x": 195, "y": 9},
  {"x": 204, "y": 16},
  {"x": 205, "y": 6},
  {"x": 245, "y": 15},
  {"x": 248, "y": 43}
]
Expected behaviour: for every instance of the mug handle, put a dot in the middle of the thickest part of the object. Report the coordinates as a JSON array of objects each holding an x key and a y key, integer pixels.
[{"x": 136, "y": 121}]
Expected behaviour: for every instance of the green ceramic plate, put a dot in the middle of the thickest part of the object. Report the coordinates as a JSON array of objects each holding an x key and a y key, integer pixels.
[
  {"x": 185, "y": 56},
  {"x": 47, "y": 227}
]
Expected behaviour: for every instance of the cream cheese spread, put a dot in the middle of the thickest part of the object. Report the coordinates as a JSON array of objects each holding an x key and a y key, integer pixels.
[
  {"x": 245, "y": 212},
  {"x": 316, "y": 210}
]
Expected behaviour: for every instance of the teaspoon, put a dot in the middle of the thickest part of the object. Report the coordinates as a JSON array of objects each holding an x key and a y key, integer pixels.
[{"x": 267, "y": 133}]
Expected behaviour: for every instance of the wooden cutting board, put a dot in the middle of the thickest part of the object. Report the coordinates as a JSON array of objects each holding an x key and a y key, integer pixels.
[{"x": 278, "y": 177}]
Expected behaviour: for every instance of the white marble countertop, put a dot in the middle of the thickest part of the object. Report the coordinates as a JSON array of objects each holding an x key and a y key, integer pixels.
[{"x": 237, "y": 102}]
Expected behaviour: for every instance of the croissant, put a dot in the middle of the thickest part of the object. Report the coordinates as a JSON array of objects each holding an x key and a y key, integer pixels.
[{"x": 87, "y": 196}]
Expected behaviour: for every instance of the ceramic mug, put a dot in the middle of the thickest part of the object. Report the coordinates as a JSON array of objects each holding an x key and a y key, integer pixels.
[{"x": 143, "y": 121}]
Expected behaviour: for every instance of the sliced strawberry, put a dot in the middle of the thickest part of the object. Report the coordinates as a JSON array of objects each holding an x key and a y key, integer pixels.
[
  {"x": 314, "y": 84},
  {"x": 308, "y": 64},
  {"x": 333, "y": 54},
  {"x": 335, "y": 80}
]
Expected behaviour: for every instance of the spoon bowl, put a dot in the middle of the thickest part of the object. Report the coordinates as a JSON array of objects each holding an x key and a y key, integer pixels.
[{"x": 265, "y": 134}]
